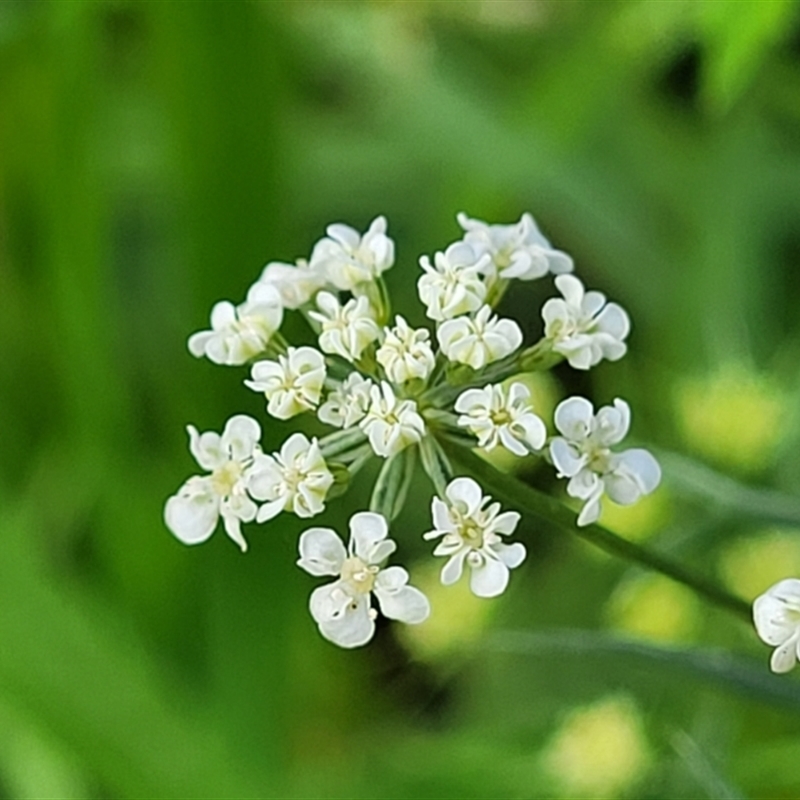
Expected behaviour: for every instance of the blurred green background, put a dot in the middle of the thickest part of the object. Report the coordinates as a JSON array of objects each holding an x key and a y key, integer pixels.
[{"x": 153, "y": 156}]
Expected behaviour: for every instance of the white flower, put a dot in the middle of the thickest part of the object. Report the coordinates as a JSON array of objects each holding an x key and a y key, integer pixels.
[
  {"x": 477, "y": 342},
  {"x": 292, "y": 384},
  {"x": 583, "y": 327},
  {"x": 583, "y": 455},
  {"x": 776, "y": 614},
  {"x": 347, "y": 405},
  {"x": 455, "y": 285},
  {"x": 346, "y": 258},
  {"x": 192, "y": 514},
  {"x": 296, "y": 284},
  {"x": 342, "y": 609},
  {"x": 346, "y": 329},
  {"x": 296, "y": 479},
  {"x": 517, "y": 251},
  {"x": 239, "y": 333},
  {"x": 406, "y": 353},
  {"x": 471, "y": 532},
  {"x": 499, "y": 419},
  {"x": 391, "y": 424}
]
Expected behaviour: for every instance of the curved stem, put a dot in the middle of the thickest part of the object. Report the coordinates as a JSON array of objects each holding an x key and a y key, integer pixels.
[{"x": 538, "y": 504}]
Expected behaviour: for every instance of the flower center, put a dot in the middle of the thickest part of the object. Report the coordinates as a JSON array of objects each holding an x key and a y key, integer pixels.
[
  {"x": 359, "y": 575},
  {"x": 471, "y": 533},
  {"x": 224, "y": 478},
  {"x": 501, "y": 417}
]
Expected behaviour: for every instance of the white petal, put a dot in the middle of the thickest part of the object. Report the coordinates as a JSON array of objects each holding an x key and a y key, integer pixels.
[
  {"x": 206, "y": 448},
  {"x": 574, "y": 416},
  {"x": 466, "y": 493},
  {"x": 406, "y": 604},
  {"x": 353, "y": 627},
  {"x": 367, "y": 529},
  {"x": 322, "y": 552},
  {"x": 612, "y": 423},
  {"x": 571, "y": 288},
  {"x": 240, "y": 436},
  {"x": 565, "y": 458},
  {"x": 233, "y": 527},
  {"x": 490, "y": 578},
  {"x": 452, "y": 570},
  {"x": 590, "y": 512},
  {"x": 614, "y": 320},
  {"x": 785, "y": 656},
  {"x": 270, "y": 510},
  {"x": 641, "y": 466},
  {"x": 193, "y": 517},
  {"x": 505, "y": 523},
  {"x": 441, "y": 518},
  {"x": 512, "y": 555}
]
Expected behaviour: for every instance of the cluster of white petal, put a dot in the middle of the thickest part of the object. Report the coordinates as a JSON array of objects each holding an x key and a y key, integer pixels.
[
  {"x": 193, "y": 512},
  {"x": 582, "y": 453},
  {"x": 470, "y": 527},
  {"x": 292, "y": 384},
  {"x": 296, "y": 284},
  {"x": 480, "y": 340},
  {"x": 343, "y": 609},
  {"x": 500, "y": 418},
  {"x": 239, "y": 333},
  {"x": 583, "y": 327},
  {"x": 453, "y": 286},
  {"x": 406, "y": 352},
  {"x": 776, "y": 614},
  {"x": 296, "y": 479},
  {"x": 391, "y": 424},
  {"x": 516, "y": 251},
  {"x": 347, "y": 405},
  {"x": 347, "y": 330},
  {"x": 347, "y": 259}
]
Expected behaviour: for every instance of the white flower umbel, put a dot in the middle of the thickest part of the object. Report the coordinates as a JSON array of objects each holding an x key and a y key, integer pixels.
[
  {"x": 292, "y": 384},
  {"x": 776, "y": 614},
  {"x": 347, "y": 259},
  {"x": 296, "y": 479},
  {"x": 583, "y": 327},
  {"x": 239, "y": 333},
  {"x": 500, "y": 418},
  {"x": 346, "y": 329},
  {"x": 455, "y": 285},
  {"x": 391, "y": 424},
  {"x": 582, "y": 453},
  {"x": 406, "y": 353},
  {"x": 471, "y": 527},
  {"x": 193, "y": 512},
  {"x": 296, "y": 284},
  {"x": 343, "y": 609},
  {"x": 479, "y": 341},
  {"x": 517, "y": 251},
  {"x": 347, "y": 405}
]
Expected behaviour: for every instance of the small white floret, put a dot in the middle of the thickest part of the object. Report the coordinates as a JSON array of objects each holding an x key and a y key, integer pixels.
[
  {"x": 776, "y": 614},
  {"x": 296, "y": 479},
  {"x": 343, "y": 609},
  {"x": 471, "y": 527},
  {"x": 347, "y": 405},
  {"x": 406, "y": 353},
  {"x": 583, "y": 327},
  {"x": 479, "y": 341},
  {"x": 347, "y": 330},
  {"x": 193, "y": 512},
  {"x": 292, "y": 384},
  {"x": 454, "y": 286},
  {"x": 583, "y": 454},
  {"x": 391, "y": 424},
  {"x": 239, "y": 333},
  {"x": 346, "y": 259},
  {"x": 503, "y": 418},
  {"x": 517, "y": 251}
]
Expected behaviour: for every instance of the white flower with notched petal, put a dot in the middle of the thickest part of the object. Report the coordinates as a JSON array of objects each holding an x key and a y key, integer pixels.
[
  {"x": 499, "y": 418},
  {"x": 296, "y": 479},
  {"x": 776, "y": 614},
  {"x": 239, "y": 333},
  {"x": 342, "y": 609},
  {"x": 347, "y": 259},
  {"x": 192, "y": 514},
  {"x": 583, "y": 455},
  {"x": 292, "y": 384},
  {"x": 479, "y": 341},
  {"x": 347, "y": 405},
  {"x": 296, "y": 284},
  {"x": 346, "y": 329},
  {"x": 406, "y": 353},
  {"x": 583, "y": 327},
  {"x": 517, "y": 251},
  {"x": 471, "y": 532},
  {"x": 454, "y": 286},
  {"x": 391, "y": 424}
]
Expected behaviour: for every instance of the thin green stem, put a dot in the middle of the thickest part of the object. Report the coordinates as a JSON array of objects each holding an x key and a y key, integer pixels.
[{"x": 541, "y": 505}]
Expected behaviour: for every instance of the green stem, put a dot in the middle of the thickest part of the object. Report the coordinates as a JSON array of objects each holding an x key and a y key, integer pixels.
[{"x": 541, "y": 505}]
